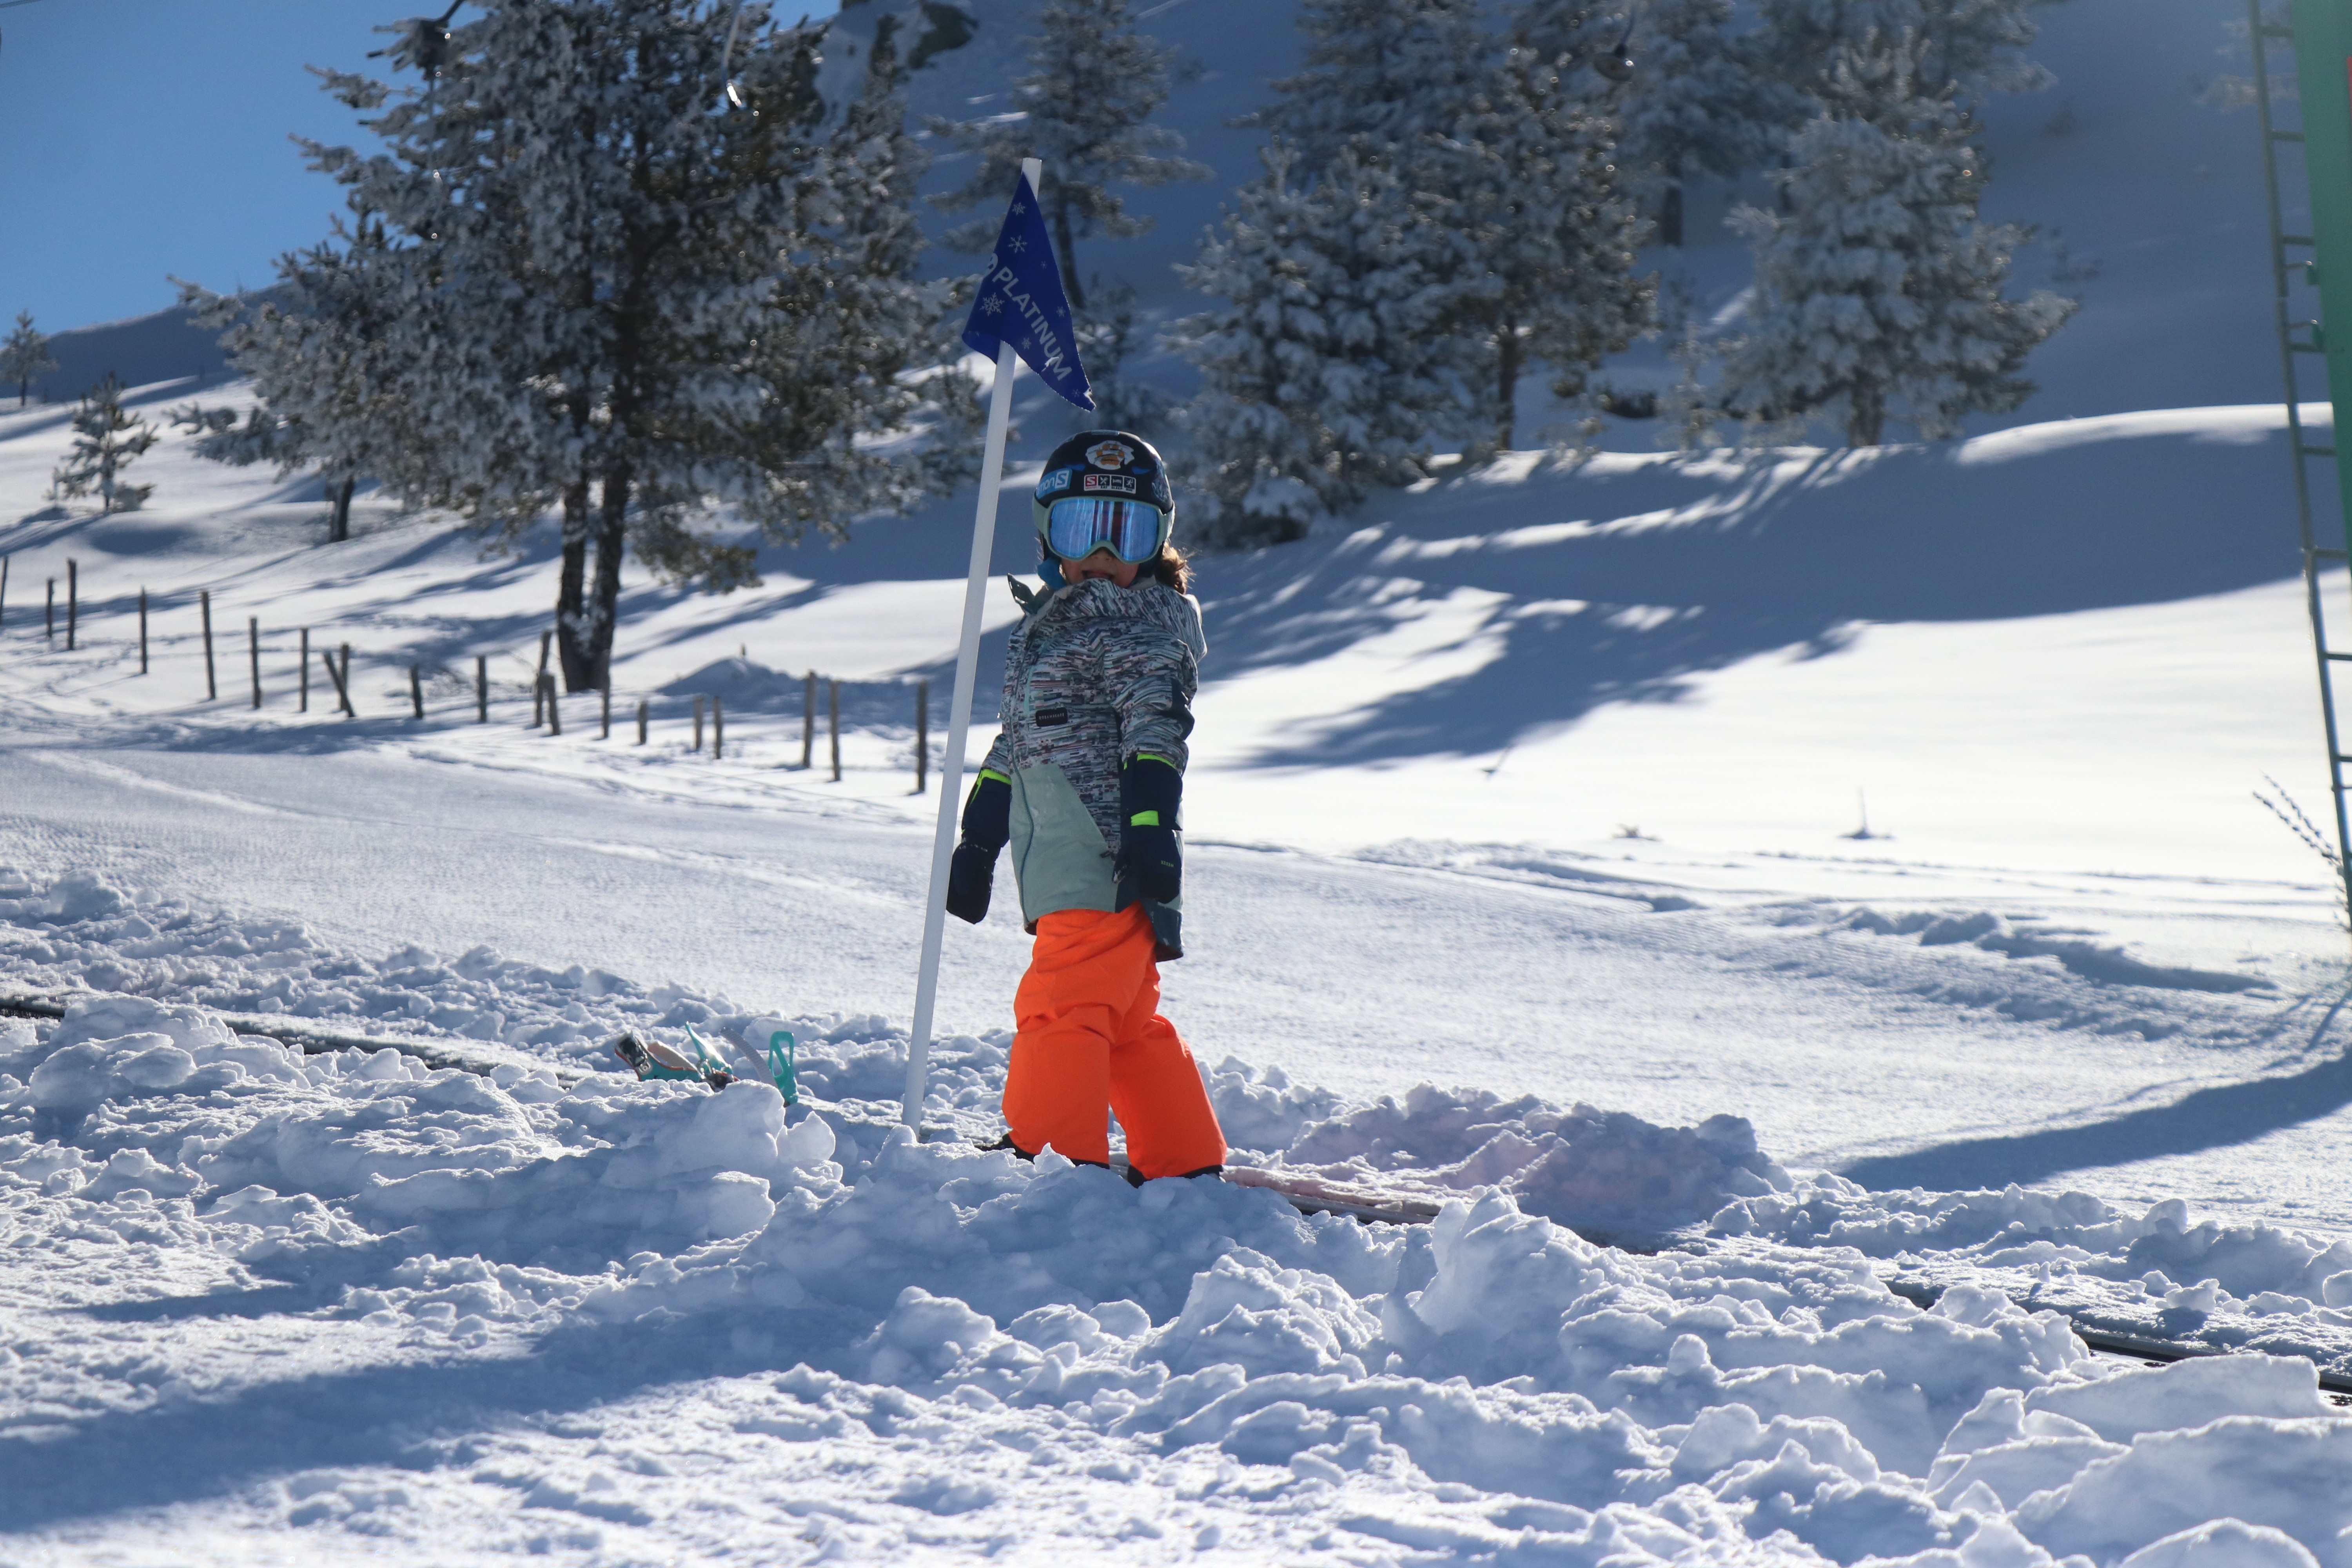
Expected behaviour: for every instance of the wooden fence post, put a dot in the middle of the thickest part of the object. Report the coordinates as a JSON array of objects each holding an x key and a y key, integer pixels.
[
  {"x": 481, "y": 688},
  {"x": 73, "y": 600},
  {"x": 922, "y": 736},
  {"x": 833, "y": 723},
  {"x": 718, "y": 729},
  {"x": 697, "y": 723},
  {"x": 416, "y": 689},
  {"x": 644, "y": 712},
  {"x": 538, "y": 700},
  {"x": 4, "y": 586},
  {"x": 808, "y": 722},
  {"x": 554, "y": 719},
  {"x": 604, "y": 712},
  {"x": 142, "y": 618},
  {"x": 545, "y": 638},
  {"x": 212, "y": 687},
  {"x": 305, "y": 705},
  {"x": 343, "y": 686},
  {"x": 253, "y": 646},
  {"x": 334, "y": 676},
  {"x": 49, "y": 611}
]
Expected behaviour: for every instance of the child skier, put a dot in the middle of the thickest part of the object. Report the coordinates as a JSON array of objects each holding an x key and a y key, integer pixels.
[{"x": 1084, "y": 782}]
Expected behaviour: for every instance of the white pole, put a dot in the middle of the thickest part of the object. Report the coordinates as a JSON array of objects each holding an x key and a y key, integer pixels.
[{"x": 983, "y": 534}]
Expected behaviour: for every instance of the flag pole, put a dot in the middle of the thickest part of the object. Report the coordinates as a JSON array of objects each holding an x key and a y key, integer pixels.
[{"x": 983, "y": 534}]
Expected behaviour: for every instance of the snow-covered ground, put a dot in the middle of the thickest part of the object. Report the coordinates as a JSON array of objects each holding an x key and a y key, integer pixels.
[
  {"x": 2064, "y": 1030},
  {"x": 1529, "y": 877}
]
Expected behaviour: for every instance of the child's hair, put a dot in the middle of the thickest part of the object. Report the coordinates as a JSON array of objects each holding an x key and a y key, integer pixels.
[{"x": 1171, "y": 566}]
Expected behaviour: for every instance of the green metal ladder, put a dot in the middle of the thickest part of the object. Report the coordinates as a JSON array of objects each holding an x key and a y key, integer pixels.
[{"x": 2291, "y": 262}]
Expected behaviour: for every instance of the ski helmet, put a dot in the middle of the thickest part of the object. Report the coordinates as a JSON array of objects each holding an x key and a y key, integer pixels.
[{"x": 1104, "y": 487}]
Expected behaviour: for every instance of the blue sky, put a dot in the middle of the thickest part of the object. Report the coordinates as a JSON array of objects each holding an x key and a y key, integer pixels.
[{"x": 141, "y": 138}]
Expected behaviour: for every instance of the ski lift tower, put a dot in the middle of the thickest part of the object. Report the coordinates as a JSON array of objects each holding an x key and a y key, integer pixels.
[{"x": 2318, "y": 41}]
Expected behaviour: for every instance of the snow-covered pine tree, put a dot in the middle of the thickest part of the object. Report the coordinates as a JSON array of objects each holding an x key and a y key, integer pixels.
[
  {"x": 1879, "y": 295},
  {"x": 613, "y": 292},
  {"x": 1516, "y": 216},
  {"x": 1322, "y": 370},
  {"x": 1973, "y": 46},
  {"x": 107, "y": 439},
  {"x": 25, "y": 357},
  {"x": 1084, "y": 106},
  {"x": 1384, "y": 78},
  {"x": 324, "y": 348},
  {"x": 1543, "y": 238},
  {"x": 1697, "y": 105},
  {"x": 1108, "y": 334}
]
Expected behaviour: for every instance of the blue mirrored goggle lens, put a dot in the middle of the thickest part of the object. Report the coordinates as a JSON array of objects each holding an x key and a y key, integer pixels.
[{"x": 1076, "y": 527}]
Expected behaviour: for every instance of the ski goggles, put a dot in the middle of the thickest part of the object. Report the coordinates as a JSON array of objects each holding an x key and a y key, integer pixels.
[{"x": 1076, "y": 527}]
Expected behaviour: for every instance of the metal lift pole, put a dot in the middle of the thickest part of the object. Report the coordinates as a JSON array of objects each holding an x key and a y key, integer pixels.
[{"x": 2322, "y": 39}]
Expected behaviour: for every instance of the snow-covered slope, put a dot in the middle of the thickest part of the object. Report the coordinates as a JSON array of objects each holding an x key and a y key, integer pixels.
[{"x": 1525, "y": 877}]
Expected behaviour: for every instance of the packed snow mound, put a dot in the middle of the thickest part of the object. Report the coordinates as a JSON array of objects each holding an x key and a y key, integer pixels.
[
  {"x": 585, "y": 1288},
  {"x": 1490, "y": 1382},
  {"x": 1595, "y": 1170}
]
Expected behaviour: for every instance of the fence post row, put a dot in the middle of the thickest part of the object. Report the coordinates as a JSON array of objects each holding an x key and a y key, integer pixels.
[
  {"x": 554, "y": 718},
  {"x": 4, "y": 586},
  {"x": 718, "y": 729},
  {"x": 73, "y": 600},
  {"x": 416, "y": 689},
  {"x": 833, "y": 723},
  {"x": 808, "y": 722},
  {"x": 697, "y": 723},
  {"x": 49, "y": 611},
  {"x": 604, "y": 712},
  {"x": 481, "y": 688},
  {"x": 645, "y": 712},
  {"x": 204, "y": 602},
  {"x": 142, "y": 617},
  {"x": 922, "y": 737},
  {"x": 252, "y": 644},
  {"x": 305, "y": 662},
  {"x": 343, "y": 686}
]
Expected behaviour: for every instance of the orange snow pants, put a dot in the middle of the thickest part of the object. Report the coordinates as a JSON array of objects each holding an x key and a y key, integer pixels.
[{"x": 1091, "y": 1041}]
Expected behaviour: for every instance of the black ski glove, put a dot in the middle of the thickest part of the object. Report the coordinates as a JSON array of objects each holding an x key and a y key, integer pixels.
[
  {"x": 1149, "y": 790},
  {"x": 987, "y": 824}
]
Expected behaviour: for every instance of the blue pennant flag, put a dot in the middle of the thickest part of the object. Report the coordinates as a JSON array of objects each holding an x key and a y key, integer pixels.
[{"x": 1020, "y": 302}]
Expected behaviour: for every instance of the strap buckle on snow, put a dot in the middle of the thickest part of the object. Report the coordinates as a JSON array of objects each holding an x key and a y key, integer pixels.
[{"x": 781, "y": 1055}]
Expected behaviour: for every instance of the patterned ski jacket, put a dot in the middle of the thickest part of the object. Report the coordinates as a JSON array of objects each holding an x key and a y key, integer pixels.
[{"x": 1095, "y": 674}]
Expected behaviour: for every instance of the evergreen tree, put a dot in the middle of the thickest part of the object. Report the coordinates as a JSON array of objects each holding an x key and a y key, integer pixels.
[
  {"x": 1093, "y": 84},
  {"x": 1543, "y": 239},
  {"x": 1504, "y": 178},
  {"x": 107, "y": 439},
  {"x": 1879, "y": 294},
  {"x": 1322, "y": 371},
  {"x": 1972, "y": 46},
  {"x": 1387, "y": 80},
  {"x": 1697, "y": 105},
  {"x": 25, "y": 357},
  {"x": 319, "y": 347},
  {"x": 604, "y": 287},
  {"x": 1107, "y": 337}
]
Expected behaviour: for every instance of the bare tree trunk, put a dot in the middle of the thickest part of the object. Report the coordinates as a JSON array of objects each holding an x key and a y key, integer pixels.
[
  {"x": 1867, "y": 418},
  {"x": 339, "y": 522},
  {"x": 571, "y": 620},
  {"x": 605, "y": 607},
  {"x": 1507, "y": 363}
]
